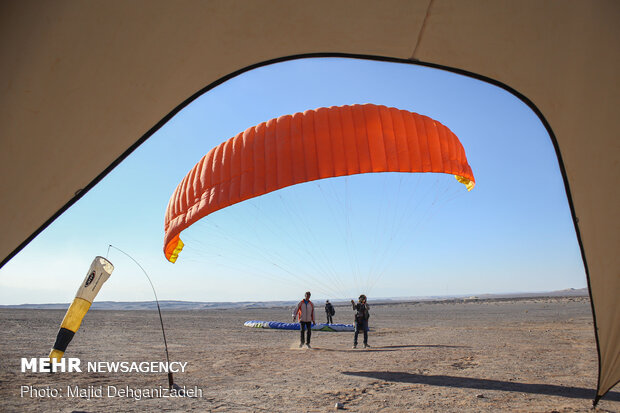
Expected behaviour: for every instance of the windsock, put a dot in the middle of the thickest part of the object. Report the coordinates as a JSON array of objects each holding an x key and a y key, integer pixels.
[{"x": 99, "y": 271}]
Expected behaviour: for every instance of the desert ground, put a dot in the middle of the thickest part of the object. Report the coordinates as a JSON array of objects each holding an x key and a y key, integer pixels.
[{"x": 528, "y": 355}]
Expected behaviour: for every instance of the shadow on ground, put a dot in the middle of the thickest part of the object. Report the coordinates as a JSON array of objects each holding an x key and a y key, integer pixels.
[
  {"x": 387, "y": 348},
  {"x": 484, "y": 384}
]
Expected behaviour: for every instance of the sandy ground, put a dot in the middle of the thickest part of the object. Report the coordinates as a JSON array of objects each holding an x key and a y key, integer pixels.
[{"x": 534, "y": 355}]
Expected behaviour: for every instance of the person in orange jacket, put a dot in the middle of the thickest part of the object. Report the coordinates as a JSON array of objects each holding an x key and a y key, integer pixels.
[{"x": 305, "y": 313}]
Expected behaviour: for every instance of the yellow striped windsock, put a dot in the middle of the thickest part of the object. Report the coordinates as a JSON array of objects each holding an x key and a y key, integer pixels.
[{"x": 99, "y": 271}]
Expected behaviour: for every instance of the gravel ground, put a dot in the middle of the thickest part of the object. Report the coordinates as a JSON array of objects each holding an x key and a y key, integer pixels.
[{"x": 529, "y": 355}]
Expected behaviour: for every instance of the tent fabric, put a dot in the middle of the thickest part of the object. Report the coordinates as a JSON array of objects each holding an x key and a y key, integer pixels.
[{"x": 78, "y": 75}]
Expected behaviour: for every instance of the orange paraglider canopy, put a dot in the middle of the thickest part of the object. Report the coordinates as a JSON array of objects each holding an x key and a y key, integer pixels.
[{"x": 315, "y": 144}]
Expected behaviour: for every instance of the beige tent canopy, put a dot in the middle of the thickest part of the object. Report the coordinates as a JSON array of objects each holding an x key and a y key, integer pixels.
[{"x": 107, "y": 74}]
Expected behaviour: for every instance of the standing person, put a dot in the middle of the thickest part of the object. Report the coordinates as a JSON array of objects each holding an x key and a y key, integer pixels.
[
  {"x": 362, "y": 314},
  {"x": 305, "y": 313},
  {"x": 329, "y": 312}
]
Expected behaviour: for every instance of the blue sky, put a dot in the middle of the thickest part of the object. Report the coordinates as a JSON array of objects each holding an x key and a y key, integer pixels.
[{"x": 386, "y": 235}]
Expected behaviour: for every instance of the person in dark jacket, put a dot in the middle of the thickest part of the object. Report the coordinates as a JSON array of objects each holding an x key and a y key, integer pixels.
[
  {"x": 362, "y": 314},
  {"x": 329, "y": 312}
]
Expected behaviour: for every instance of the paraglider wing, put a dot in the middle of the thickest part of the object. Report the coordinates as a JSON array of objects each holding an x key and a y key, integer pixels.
[
  {"x": 277, "y": 325},
  {"x": 315, "y": 144}
]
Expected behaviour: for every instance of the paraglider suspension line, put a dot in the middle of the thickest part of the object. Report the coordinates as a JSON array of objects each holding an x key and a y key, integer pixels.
[{"x": 170, "y": 379}]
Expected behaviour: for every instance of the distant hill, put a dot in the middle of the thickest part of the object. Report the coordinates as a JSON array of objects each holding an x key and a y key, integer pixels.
[
  {"x": 164, "y": 305},
  {"x": 197, "y": 305}
]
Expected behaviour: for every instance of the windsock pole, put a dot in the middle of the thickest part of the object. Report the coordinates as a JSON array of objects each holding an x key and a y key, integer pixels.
[
  {"x": 98, "y": 273},
  {"x": 163, "y": 331}
]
